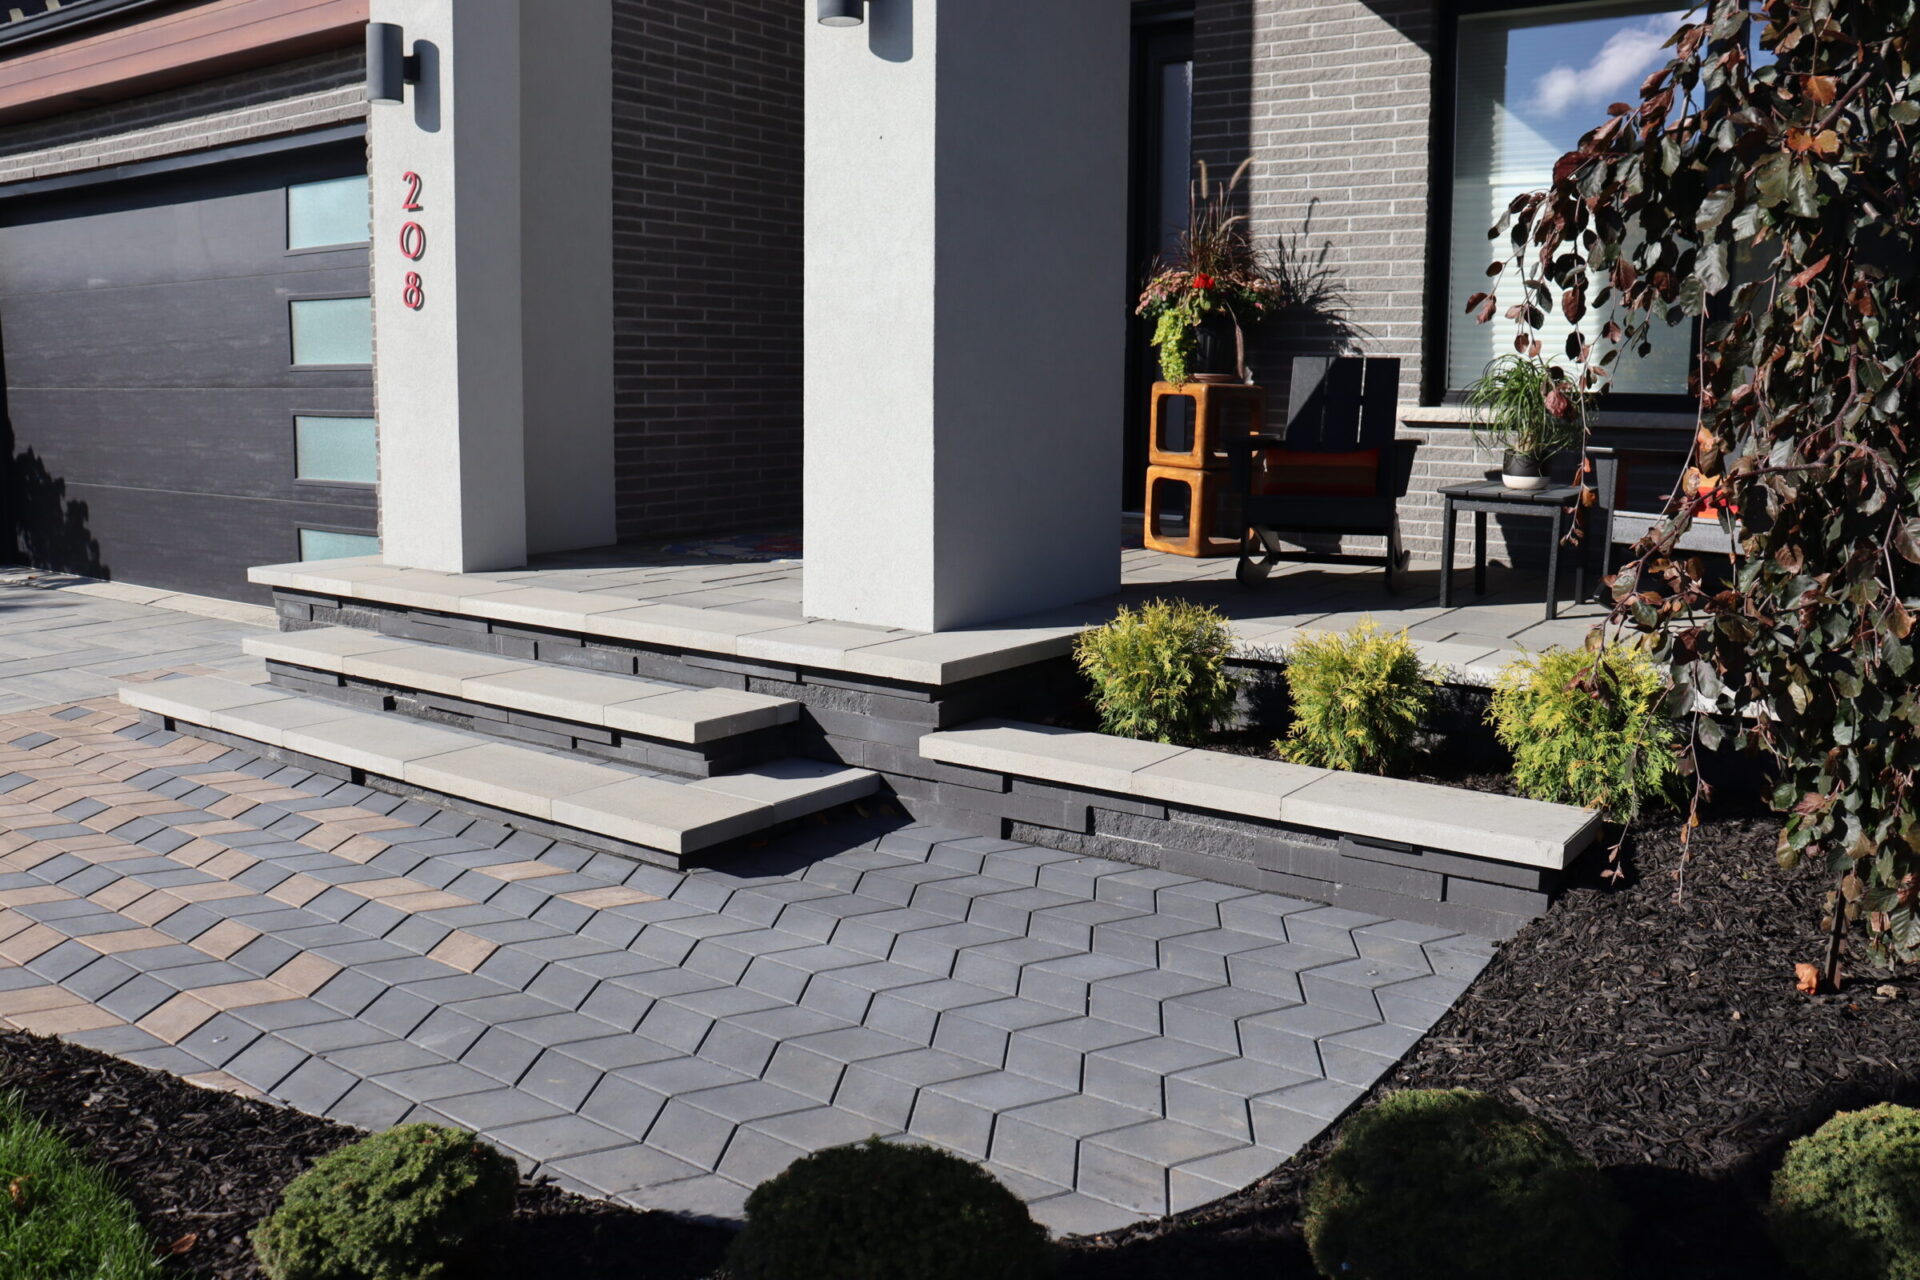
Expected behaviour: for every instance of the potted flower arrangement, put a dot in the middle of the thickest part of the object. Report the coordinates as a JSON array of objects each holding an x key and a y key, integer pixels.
[
  {"x": 1531, "y": 411},
  {"x": 1215, "y": 283}
]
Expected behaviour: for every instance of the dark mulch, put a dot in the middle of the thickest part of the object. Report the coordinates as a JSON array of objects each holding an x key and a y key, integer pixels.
[
  {"x": 203, "y": 1168},
  {"x": 1656, "y": 1023},
  {"x": 1660, "y": 1030}
]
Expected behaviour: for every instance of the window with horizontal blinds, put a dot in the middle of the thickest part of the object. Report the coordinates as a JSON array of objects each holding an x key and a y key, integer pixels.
[{"x": 1528, "y": 83}]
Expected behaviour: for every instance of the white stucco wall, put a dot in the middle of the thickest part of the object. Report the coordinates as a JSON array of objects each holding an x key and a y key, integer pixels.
[
  {"x": 966, "y": 219},
  {"x": 452, "y": 471}
]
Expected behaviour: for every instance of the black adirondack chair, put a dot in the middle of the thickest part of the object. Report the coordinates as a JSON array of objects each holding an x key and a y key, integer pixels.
[{"x": 1338, "y": 471}]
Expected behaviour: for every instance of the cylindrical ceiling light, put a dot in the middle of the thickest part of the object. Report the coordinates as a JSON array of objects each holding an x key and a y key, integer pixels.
[{"x": 842, "y": 13}]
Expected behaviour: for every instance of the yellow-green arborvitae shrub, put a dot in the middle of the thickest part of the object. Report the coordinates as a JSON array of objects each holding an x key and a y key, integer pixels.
[
  {"x": 1358, "y": 701},
  {"x": 1588, "y": 727},
  {"x": 1160, "y": 672}
]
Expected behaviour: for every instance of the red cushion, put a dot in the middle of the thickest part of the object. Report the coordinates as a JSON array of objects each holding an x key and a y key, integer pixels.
[{"x": 1306, "y": 473}]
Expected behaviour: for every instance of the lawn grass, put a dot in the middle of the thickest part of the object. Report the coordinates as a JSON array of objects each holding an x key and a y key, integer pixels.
[{"x": 61, "y": 1218}]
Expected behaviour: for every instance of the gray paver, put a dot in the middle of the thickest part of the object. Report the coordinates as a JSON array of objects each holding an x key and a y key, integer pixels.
[{"x": 1114, "y": 1040}]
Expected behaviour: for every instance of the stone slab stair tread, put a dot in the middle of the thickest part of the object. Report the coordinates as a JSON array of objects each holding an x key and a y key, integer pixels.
[
  {"x": 652, "y": 708},
  {"x": 678, "y": 817},
  {"x": 1474, "y": 823}
]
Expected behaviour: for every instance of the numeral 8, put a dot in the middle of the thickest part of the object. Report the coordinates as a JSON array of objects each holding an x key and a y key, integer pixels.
[{"x": 415, "y": 294}]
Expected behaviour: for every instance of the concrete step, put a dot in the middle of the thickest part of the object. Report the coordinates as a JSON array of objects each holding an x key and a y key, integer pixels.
[
  {"x": 563, "y": 794},
  {"x": 645, "y": 708}
]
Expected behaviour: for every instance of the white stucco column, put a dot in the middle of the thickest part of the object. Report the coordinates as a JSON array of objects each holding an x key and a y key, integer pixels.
[
  {"x": 492, "y": 261},
  {"x": 965, "y": 309}
]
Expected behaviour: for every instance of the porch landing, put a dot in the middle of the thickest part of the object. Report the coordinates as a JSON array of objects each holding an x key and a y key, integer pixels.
[{"x": 751, "y": 609}]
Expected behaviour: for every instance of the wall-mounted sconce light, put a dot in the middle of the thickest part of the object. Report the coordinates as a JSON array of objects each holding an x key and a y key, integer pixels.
[
  {"x": 390, "y": 69},
  {"x": 842, "y": 13}
]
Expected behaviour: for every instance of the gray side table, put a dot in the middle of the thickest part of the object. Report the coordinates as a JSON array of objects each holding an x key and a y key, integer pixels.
[{"x": 1555, "y": 503}]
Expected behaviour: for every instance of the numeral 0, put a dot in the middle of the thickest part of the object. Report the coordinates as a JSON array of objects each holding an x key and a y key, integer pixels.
[{"x": 413, "y": 241}]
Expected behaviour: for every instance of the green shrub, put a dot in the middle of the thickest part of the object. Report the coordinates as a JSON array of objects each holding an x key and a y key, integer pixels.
[
  {"x": 1846, "y": 1200},
  {"x": 882, "y": 1211},
  {"x": 1450, "y": 1184},
  {"x": 413, "y": 1203},
  {"x": 60, "y": 1217},
  {"x": 1160, "y": 673},
  {"x": 1358, "y": 700},
  {"x": 1587, "y": 727}
]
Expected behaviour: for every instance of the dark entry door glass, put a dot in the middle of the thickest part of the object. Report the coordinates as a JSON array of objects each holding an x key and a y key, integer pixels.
[{"x": 1162, "y": 166}]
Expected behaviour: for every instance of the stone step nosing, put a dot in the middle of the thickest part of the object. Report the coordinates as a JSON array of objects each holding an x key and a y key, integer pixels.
[
  {"x": 680, "y": 714},
  {"x": 675, "y": 817}
]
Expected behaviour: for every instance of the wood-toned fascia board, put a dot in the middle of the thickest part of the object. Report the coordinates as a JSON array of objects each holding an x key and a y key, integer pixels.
[{"x": 189, "y": 45}]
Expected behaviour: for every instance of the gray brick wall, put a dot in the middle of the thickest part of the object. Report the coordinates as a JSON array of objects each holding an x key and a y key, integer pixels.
[
  {"x": 287, "y": 86},
  {"x": 708, "y": 129},
  {"x": 1335, "y": 101}
]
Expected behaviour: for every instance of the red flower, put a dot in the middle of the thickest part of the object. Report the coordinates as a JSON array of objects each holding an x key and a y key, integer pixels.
[{"x": 1203, "y": 281}]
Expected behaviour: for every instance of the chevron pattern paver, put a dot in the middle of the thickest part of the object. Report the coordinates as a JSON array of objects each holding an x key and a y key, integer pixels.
[{"x": 1114, "y": 1043}]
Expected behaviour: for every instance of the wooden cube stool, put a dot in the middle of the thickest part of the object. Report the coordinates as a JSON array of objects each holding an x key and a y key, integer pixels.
[
  {"x": 1208, "y": 500},
  {"x": 1189, "y": 424}
]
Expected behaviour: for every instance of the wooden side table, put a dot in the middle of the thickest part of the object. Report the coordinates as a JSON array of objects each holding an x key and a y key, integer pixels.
[{"x": 1555, "y": 503}]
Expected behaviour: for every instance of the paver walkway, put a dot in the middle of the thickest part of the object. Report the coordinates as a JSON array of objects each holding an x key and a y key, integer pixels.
[
  {"x": 63, "y": 639},
  {"x": 1114, "y": 1042}
]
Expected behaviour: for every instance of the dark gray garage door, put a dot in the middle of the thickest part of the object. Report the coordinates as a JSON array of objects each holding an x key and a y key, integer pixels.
[{"x": 187, "y": 377}]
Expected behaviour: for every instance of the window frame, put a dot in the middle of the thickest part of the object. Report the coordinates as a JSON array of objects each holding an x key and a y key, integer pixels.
[
  {"x": 301, "y": 527},
  {"x": 336, "y": 486},
  {"x": 1439, "y": 307},
  {"x": 293, "y": 361},
  {"x": 286, "y": 220}
]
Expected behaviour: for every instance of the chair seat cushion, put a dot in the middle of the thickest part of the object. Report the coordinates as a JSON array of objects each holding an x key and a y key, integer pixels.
[{"x": 1354, "y": 473}]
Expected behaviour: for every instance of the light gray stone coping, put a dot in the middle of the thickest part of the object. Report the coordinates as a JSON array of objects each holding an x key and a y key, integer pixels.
[
  {"x": 647, "y": 707},
  {"x": 677, "y": 817},
  {"x": 1476, "y": 823},
  {"x": 933, "y": 658}
]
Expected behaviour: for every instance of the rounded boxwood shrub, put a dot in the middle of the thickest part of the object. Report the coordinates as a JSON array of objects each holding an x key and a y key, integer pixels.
[
  {"x": 413, "y": 1203},
  {"x": 1846, "y": 1200},
  {"x": 1588, "y": 727},
  {"x": 1451, "y": 1184},
  {"x": 1160, "y": 673},
  {"x": 882, "y": 1211}
]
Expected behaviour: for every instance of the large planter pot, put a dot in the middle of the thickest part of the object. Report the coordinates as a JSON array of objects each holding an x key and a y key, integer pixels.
[
  {"x": 1523, "y": 471},
  {"x": 1216, "y": 354}
]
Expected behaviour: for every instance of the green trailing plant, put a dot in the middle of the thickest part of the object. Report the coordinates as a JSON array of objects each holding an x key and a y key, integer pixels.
[
  {"x": 1160, "y": 672},
  {"x": 1776, "y": 202},
  {"x": 417, "y": 1202},
  {"x": 883, "y": 1211},
  {"x": 1215, "y": 270},
  {"x": 1358, "y": 700},
  {"x": 1455, "y": 1185},
  {"x": 1846, "y": 1200},
  {"x": 1524, "y": 404},
  {"x": 60, "y": 1217},
  {"x": 1589, "y": 727}
]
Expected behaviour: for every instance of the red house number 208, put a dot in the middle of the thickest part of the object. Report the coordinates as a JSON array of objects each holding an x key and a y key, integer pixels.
[{"x": 413, "y": 246}]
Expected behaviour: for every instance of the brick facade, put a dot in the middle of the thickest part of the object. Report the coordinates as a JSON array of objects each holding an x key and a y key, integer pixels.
[
  {"x": 1338, "y": 104},
  {"x": 300, "y": 94},
  {"x": 708, "y": 137}
]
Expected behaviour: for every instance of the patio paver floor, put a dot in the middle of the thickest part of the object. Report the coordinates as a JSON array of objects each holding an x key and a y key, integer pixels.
[{"x": 673, "y": 1038}]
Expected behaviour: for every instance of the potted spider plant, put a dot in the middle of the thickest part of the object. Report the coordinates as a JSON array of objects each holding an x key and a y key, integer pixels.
[
  {"x": 1214, "y": 284},
  {"x": 1531, "y": 412}
]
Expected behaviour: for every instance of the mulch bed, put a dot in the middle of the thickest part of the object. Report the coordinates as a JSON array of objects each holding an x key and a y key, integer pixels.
[
  {"x": 203, "y": 1168},
  {"x": 1660, "y": 1030}
]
